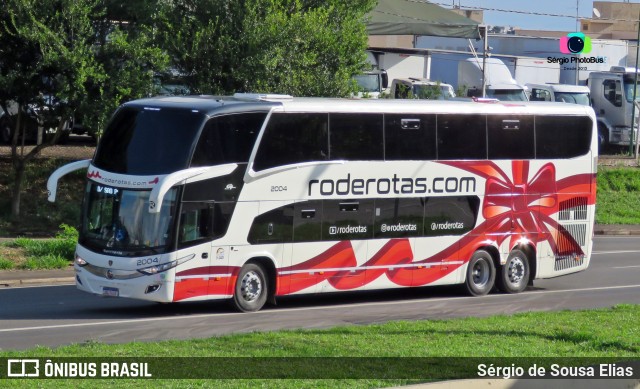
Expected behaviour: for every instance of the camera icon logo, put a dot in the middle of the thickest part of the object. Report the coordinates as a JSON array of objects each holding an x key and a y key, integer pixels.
[{"x": 575, "y": 43}]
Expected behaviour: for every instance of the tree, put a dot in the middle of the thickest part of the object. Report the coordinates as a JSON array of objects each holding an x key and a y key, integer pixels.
[
  {"x": 299, "y": 47},
  {"x": 54, "y": 61}
]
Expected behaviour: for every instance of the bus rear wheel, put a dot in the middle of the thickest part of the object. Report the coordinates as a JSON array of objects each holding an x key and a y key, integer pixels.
[
  {"x": 481, "y": 274},
  {"x": 251, "y": 289},
  {"x": 513, "y": 276}
]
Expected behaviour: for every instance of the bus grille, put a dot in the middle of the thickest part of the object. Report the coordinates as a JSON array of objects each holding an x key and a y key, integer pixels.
[
  {"x": 577, "y": 231},
  {"x": 572, "y": 214},
  {"x": 566, "y": 262},
  {"x": 573, "y": 209}
]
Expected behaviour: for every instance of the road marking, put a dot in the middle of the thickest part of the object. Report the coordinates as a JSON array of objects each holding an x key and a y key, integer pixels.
[
  {"x": 315, "y": 308},
  {"x": 623, "y": 267}
]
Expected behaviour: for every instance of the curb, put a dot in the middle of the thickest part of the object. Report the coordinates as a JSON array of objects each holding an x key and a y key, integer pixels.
[{"x": 37, "y": 281}]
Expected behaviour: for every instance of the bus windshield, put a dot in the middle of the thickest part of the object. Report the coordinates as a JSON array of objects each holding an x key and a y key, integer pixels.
[
  {"x": 148, "y": 141},
  {"x": 117, "y": 219}
]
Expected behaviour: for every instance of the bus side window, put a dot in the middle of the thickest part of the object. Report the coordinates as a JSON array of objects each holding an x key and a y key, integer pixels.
[
  {"x": 275, "y": 226},
  {"x": 195, "y": 223},
  {"x": 307, "y": 221},
  {"x": 398, "y": 217},
  {"x": 356, "y": 137},
  {"x": 228, "y": 139},
  {"x": 562, "y": 136},
  {"x": 409, "y": 137},
  {"x": 293, "y": 138},
  {"x": 510, "y": 137},
  {"x": 452, "y": 215},
  {"x": 462, "y": 137},
  {"x": 347, "y": 219}
]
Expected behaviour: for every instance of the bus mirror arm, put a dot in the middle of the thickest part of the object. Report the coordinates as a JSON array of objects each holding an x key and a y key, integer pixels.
[
  {"x": 183, "y": 176},
  {"x": 52, "y": 182}
]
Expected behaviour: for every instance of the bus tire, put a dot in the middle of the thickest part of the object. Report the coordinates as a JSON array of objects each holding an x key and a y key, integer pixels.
[
  {"x": 481, "y": 274},
  {"x": 250, "y": 293},
  {"x": 513, "y": 276}
]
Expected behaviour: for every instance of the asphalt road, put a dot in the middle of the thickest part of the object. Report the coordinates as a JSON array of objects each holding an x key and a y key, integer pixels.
[{"x": 59, "y": 315}]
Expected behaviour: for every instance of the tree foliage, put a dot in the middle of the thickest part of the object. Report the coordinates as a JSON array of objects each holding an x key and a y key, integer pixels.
[
  {"x": 299, "y": 47},
  {"x": 92, "y": 55},
  {"x": 55, "y": 60}
]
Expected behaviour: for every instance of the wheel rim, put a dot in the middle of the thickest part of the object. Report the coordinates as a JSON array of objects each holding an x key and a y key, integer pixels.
[
  {"x": 516, "y": 270},
  {"x": 480, "y": 273},
  {"x": 251, "y": 287}
]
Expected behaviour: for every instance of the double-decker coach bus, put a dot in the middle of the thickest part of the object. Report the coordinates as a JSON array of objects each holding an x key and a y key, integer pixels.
[{"x": 252, "y": 197}]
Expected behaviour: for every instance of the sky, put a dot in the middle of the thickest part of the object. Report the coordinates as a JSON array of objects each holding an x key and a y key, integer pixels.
[{"x": 528, "y": 20}]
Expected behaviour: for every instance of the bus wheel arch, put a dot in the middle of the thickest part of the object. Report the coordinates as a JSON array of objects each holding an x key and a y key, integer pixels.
[
  {"x": 255, "y": 285},
  {"x": 252, "y": 287},
  {"x": 516, "y": 273},
  {"x": 481, "y": 273}
]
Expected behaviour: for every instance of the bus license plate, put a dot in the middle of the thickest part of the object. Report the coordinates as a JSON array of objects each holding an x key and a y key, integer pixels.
[{"x": 112, "y": 292}]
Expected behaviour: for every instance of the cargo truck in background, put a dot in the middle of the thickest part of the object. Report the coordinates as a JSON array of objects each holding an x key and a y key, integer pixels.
[
  {"x": 500, "y": 84},
  {"x": 372, "y": 84},
  {"x": 612, "y": 95}
]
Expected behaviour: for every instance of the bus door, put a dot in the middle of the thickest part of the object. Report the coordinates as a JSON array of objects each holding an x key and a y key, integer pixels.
[{"x": 196, "y": 229}]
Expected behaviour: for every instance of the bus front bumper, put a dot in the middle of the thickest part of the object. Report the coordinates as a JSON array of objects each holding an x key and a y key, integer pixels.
[{"x": 121, "y": 283}]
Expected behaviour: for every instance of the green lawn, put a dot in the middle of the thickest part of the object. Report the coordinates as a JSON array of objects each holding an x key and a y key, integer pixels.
[
  {"x": 552, "y": 337},
  {"x": 618, "y": 197}
]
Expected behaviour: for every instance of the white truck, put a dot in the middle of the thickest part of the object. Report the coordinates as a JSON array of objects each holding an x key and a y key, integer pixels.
[
  {"x": 612, "y": 100},
  {"x": 564, "y": 93},
  {"x": 420, "y": 88},
  {"x": 500, "y": 84},
  {"x": 372, "y": 84}
]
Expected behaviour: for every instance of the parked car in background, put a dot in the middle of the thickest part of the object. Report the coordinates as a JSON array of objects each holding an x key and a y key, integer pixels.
[
  {"x": 421, "y": 88},
  {"x": 36, "y": 116},
  {"x": 564, "y": 93}
]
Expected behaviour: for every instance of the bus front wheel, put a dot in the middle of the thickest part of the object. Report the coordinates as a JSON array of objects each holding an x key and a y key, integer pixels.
[
  {"x": 251, "y": 289},
  {"x": 514, "y": 275},
  {"x": 481, "y": 274}
]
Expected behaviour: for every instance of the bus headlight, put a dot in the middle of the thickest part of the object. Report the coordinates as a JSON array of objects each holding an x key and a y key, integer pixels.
[
  {"x": 155, "y": 269},
  {"x": 80, "y": 262}
]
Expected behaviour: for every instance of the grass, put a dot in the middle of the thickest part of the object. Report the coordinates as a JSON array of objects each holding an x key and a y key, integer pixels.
[
  {"x": 32, "y": 254},
  {"x": 618, "y": 197},
  {"x": 550, "y": 337}
]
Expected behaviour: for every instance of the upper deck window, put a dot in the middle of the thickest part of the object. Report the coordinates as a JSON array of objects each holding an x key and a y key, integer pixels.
[
  {"x": 148, "y": 141},
  {"x": 293, "y": 138},
  {"x": 228, "y": 139},
  {"x": 356, "y": 137}
]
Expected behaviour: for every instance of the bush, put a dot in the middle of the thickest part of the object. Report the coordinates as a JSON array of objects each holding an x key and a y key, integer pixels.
[
  {"x": 63, "y": 245},
  {"x": 45, "y": 262},
  {"x": 6, "y": 264}
]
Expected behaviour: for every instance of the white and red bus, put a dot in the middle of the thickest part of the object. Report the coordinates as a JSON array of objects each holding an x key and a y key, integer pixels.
[{"x": 253, "y": 197}]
